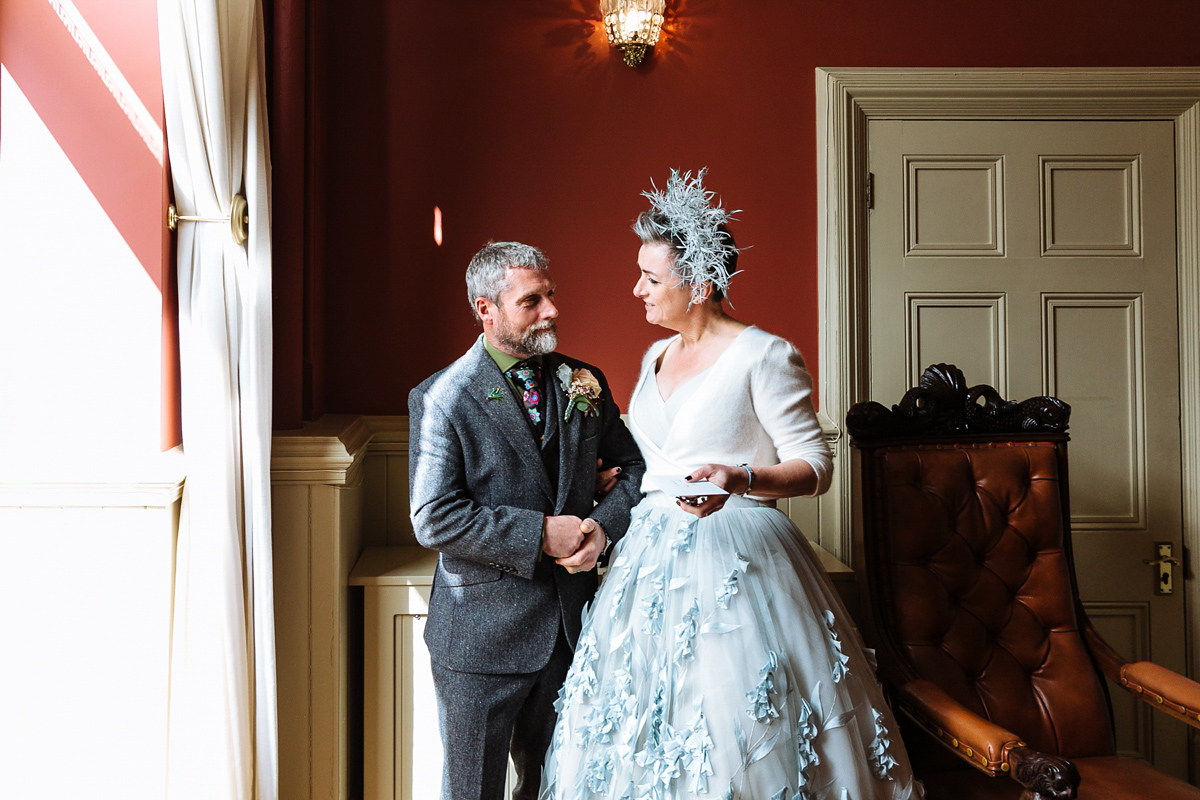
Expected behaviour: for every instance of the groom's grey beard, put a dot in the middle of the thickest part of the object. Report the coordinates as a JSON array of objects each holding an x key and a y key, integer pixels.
[{"x": 536, "y": 340}]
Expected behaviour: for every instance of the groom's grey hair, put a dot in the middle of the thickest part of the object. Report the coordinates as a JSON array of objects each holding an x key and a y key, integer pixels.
[{"x": 486, "y": 272}]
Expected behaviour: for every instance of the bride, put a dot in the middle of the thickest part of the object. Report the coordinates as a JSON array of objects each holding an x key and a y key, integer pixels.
[{"x": 716, "y": 659}]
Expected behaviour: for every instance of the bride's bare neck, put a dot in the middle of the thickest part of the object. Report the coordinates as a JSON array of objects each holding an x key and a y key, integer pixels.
[
  {"x": 702, "y": 340},
  {"x": 706, "y": 326}
]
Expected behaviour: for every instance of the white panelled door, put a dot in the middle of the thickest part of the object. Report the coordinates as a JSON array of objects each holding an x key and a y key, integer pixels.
[{"x": 1040, "y": 257}]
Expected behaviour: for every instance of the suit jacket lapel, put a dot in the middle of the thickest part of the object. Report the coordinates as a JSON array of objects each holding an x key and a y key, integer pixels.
[
  {"x": 568, "y": 432},
  {"x": 553, "y": 420},
  {"x": 505, "y": 414}
]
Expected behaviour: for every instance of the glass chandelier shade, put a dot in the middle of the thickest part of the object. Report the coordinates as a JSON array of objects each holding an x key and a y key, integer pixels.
[{"x": 632, "y": 26}]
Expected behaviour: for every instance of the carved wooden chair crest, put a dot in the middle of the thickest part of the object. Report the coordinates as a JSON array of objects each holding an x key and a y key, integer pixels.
[{"x": 964, "y": 558}]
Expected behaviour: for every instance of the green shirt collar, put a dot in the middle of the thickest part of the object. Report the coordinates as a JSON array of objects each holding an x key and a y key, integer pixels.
[{"x": 504, "y": 360}]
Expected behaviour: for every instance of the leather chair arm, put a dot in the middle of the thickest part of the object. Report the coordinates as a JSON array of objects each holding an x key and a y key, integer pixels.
[
  {"x": 987, "y": 746},
  {"x": 1164, "y": 689},
  {"x": 974, "y": 739},
  {"x": 1158, "y": 686}
]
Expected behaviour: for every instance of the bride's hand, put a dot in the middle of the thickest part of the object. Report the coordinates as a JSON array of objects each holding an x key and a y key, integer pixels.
[{"x": 731, "y": 479}]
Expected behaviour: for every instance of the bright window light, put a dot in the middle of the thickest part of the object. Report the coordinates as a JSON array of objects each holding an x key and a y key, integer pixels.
[{"x": 80, "y": 319}]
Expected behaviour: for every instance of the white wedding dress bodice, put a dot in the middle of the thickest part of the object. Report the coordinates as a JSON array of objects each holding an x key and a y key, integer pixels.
[
  {"x": 753, "y": 406},
  {"x": 716, "y": 660}
]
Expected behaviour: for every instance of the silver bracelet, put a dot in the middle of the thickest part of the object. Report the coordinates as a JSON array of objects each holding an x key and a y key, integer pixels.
[{"x": 749, "y": 478}]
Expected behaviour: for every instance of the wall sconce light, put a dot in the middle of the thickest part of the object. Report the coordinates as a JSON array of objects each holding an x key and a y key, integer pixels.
[{"x": 632, "y": 26}]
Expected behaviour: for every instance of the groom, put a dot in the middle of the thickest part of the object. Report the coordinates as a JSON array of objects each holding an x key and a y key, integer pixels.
[{"x": 503, "y": 447}]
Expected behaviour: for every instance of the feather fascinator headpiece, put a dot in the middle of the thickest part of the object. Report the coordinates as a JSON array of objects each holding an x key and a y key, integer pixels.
[{"x": 686, "y": 214}]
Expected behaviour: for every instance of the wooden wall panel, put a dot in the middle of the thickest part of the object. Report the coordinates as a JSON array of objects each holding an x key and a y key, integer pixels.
[
  {"x": 318, "y": 494},
  {"x": 86, "y": 589}
]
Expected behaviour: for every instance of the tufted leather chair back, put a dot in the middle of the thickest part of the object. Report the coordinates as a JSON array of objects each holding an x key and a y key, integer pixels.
[{"x": 971, "y": 586}]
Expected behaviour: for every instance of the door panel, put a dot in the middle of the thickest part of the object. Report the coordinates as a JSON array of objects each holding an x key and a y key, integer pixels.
[
  {"x": 1091, "y": 207},
  {"x": 1126, "y": 626},
  {"x": 967, "y": 330},
  {"x": 1040, "y": 258},
  {"x": 1093, "y": 357},
  {"x": 955, "y": 206}
]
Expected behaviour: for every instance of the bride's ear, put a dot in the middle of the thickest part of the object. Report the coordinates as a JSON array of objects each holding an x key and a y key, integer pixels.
[{"x": 702, "y": 294}]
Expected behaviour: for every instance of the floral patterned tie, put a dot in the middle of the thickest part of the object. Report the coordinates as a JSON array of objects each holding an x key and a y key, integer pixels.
[{"x": 527, "y": 377}]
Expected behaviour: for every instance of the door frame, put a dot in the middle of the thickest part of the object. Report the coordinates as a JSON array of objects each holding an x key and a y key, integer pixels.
[{"x": 848, "y": 99}]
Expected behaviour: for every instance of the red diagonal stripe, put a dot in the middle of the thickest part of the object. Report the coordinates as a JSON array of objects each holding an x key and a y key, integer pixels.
[{"x": 88, "y": 125}]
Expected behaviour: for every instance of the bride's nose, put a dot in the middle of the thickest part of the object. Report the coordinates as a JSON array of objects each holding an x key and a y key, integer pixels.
[{"x": 637, "y": 288}]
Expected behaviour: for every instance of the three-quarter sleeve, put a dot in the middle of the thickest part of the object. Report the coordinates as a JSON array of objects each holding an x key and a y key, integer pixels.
[{"x": 781, "y": 391}]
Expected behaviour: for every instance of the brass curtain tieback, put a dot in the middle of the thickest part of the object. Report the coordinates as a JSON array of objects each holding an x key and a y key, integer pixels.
[{"x": 238, "y": 219}]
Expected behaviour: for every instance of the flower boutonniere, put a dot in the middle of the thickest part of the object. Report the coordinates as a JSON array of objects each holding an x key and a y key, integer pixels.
[{"x": 582, "y": 389}]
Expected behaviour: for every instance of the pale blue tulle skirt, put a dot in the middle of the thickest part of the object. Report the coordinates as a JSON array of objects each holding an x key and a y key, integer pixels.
[{"x": 717, "y": 661}]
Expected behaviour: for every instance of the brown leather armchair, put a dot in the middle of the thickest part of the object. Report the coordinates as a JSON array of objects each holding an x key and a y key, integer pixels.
[{"x": 968, "y": 589}]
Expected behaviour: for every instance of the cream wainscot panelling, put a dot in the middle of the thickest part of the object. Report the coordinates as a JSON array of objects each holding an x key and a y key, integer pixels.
[
  {"x": 86, "y": 567},
  {"x": 402, "y": 758},
  {"x": 317, "y": 512}
]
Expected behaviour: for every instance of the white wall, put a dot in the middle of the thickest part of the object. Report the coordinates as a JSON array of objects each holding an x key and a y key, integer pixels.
[
  {"x": 85, "y": 621},
  {"x": 80, "y": 319},
  {"x": 88, "y": 504}
]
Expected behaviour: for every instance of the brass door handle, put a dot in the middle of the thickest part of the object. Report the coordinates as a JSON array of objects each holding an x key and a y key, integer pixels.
[{"x": 1165, "y": 561}]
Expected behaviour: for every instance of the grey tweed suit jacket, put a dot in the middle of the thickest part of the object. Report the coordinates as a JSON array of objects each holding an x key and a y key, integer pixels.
[{"x": 479, "y": 492}]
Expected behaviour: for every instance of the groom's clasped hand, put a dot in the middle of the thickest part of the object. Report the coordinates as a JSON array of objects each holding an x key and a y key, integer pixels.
[{"x": 573, "y": 543}]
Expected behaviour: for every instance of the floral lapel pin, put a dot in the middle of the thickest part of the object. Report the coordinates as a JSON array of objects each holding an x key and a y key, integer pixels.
[
  {"x": 582, "y": 390},
  {"x": 495, "y": 394}
]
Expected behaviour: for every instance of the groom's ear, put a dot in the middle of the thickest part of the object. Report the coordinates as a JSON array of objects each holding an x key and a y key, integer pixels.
[{"x": 485, "y": 310}]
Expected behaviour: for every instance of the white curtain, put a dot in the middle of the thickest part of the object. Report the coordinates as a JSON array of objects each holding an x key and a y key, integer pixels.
[{"x": 222, "y": 735}]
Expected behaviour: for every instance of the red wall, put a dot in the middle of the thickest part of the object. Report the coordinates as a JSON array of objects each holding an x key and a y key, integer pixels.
[{"x": 520, "y": 122}]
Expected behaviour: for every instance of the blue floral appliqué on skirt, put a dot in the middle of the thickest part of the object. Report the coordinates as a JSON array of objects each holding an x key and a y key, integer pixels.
[{"x": 717, "y": 661}]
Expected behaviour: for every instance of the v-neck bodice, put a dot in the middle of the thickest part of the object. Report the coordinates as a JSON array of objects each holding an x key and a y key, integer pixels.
[
  {"x": 658, "y": 414},
  {"x": 753, "y": 405}
]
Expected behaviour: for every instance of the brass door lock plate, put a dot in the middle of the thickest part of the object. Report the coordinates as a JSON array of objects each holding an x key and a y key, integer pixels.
[{"x": 1165, "y": 563}]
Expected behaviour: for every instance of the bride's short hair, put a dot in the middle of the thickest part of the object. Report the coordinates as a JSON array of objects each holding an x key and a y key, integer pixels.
[{"x": 485, "y": 273}]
